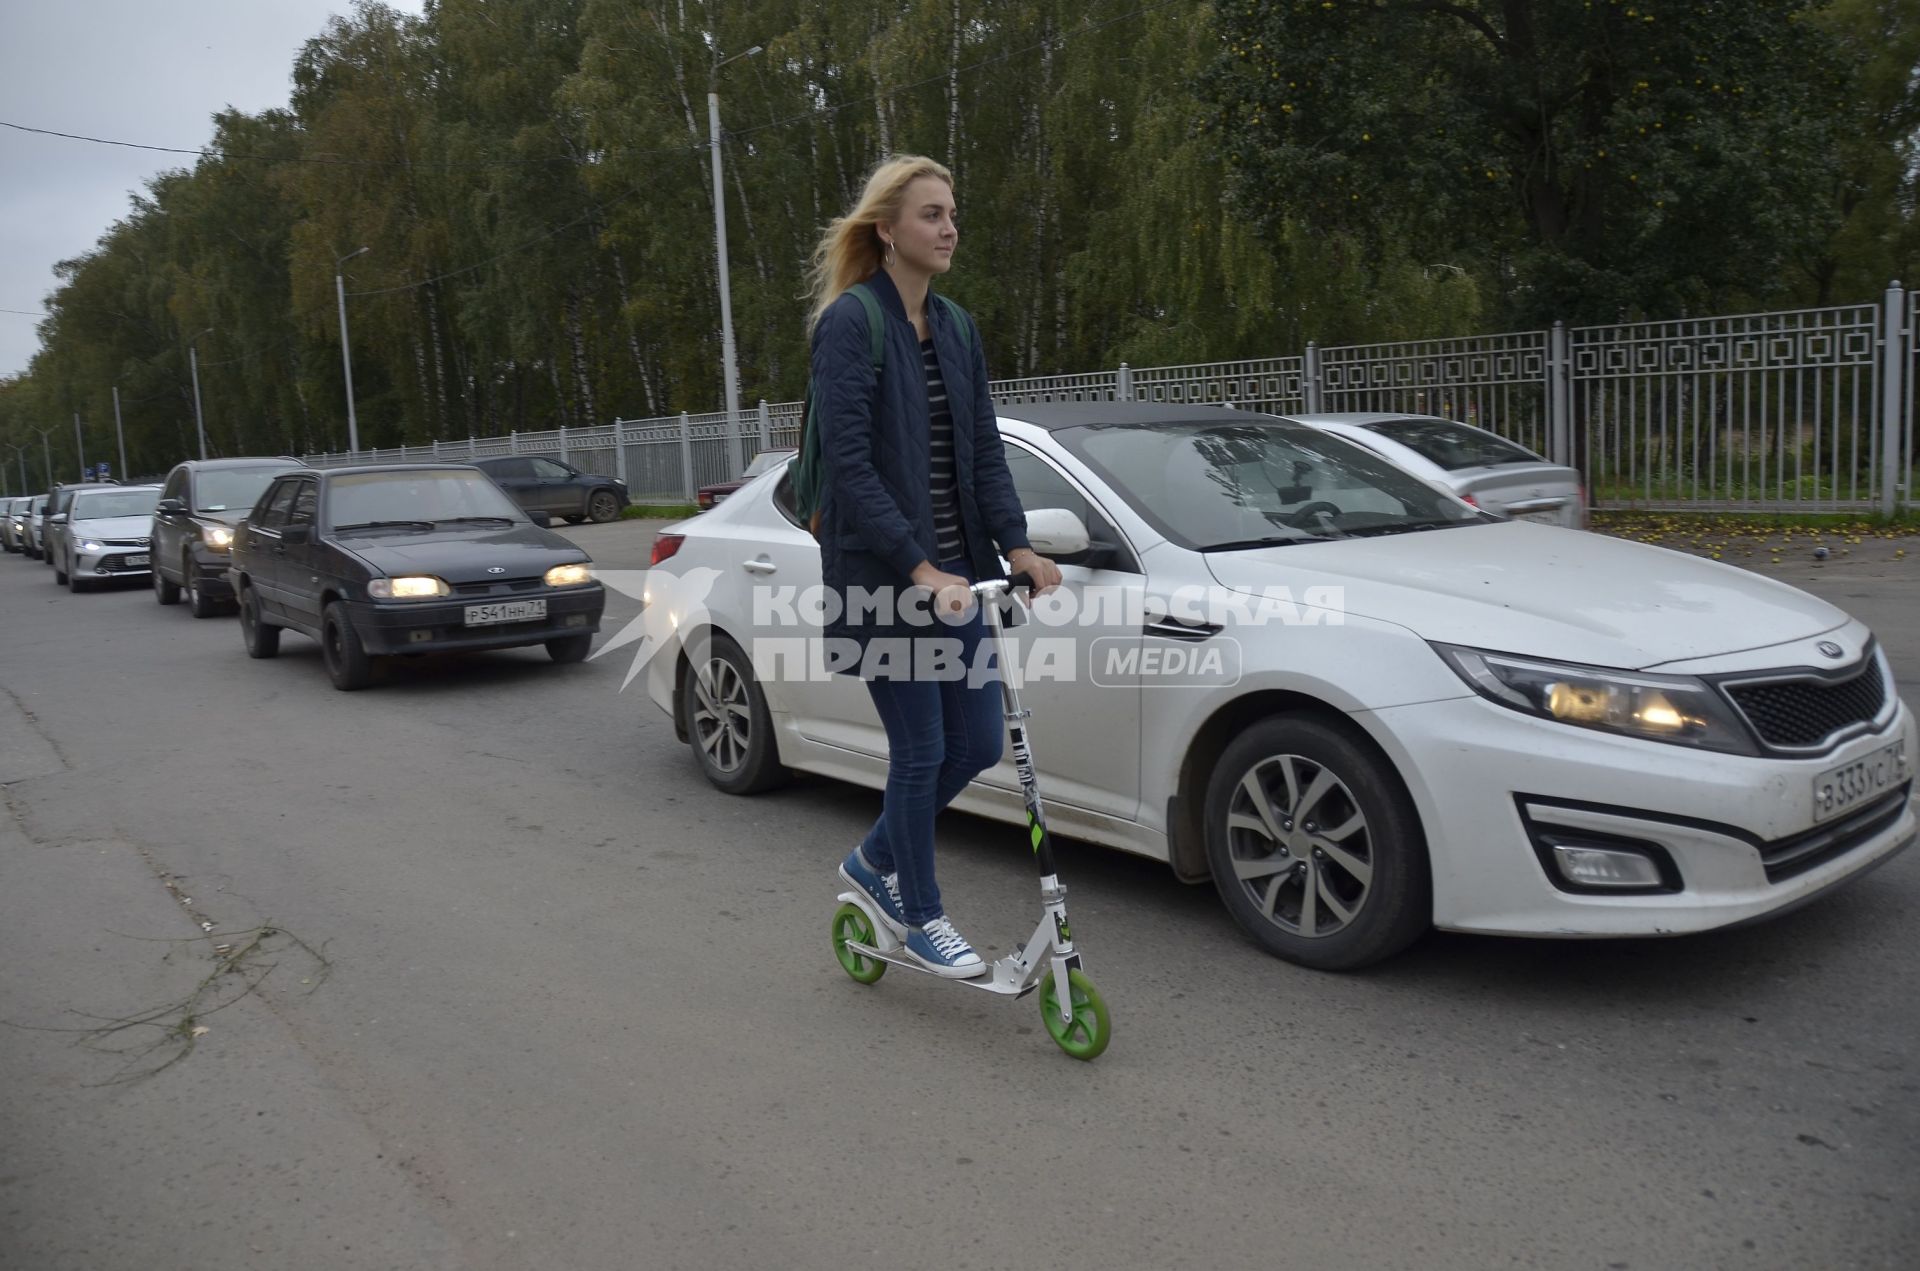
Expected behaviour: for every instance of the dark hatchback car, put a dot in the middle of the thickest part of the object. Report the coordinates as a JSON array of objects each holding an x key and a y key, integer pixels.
[
  {"x": 418, "y": 558},
  {"x": 708, "y": 495},
  {"x": 201, "y": 502},
  {"x": 539, "y": 484}
]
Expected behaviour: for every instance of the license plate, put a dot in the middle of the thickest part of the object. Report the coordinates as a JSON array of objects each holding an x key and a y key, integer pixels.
[
  {"x": 506, "y": 611},
  {"x": 131, "y": 561},
  {"x": 1839, "y": 790},
  {"x": 1545, "y": 518}
]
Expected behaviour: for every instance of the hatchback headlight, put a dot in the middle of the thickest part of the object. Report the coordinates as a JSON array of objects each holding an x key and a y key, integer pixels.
[
  {"x": 217, "y": 537},
  {"x": 408, "y": 587},
  {"x": 1672, "y": 708},
  {"x": 569, "y": 575}
]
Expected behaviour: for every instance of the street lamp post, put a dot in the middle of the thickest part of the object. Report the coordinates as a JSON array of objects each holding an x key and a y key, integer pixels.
[
  {"x": 120, "y": 433},
  {"x": 20, "y": 453},
  {"x": 193, "y": 362},
  {"x": 46, "y": 455},
  {"x": 346, "y": 356},
  {"x": 730, "y": 371},
  {"x": 80, "y": 444}
]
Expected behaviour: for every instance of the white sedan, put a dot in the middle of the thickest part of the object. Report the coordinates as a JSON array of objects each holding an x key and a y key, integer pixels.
[
  {"x": 1359, "y": 706},
  {"x": 1482, "y": 467}
]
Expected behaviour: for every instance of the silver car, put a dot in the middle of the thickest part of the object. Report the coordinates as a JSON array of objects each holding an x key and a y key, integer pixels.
[
  {"x": 13, "y": 523},
  {"x": 33, "y": 527},
  {"x": 1484, "y": 468},
  {"x": 107, "y": 534}
]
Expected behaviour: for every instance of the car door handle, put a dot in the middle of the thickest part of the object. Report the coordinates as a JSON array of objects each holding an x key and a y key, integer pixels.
[{"x": 760, "y": 565}]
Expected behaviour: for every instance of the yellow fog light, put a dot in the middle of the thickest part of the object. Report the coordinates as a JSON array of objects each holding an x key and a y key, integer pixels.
[{"x": 569, "y": 575}]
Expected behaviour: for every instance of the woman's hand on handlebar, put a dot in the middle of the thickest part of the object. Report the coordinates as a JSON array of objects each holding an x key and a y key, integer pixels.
[
  {"x": 952, "y": 596},
  {"x": 1044, "y": 573}
]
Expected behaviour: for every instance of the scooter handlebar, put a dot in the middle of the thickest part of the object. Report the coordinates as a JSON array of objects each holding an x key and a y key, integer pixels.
[{"x": 1011, "y": 582}]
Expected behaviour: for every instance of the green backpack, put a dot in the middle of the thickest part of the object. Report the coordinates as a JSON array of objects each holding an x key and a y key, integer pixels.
[{"x": 810, "y": 472}]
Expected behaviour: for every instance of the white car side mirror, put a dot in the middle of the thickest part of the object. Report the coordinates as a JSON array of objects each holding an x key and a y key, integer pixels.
[{"x": 1057, "y": 532}]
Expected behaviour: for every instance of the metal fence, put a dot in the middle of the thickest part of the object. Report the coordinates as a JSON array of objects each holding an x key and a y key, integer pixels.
[{"x": 1804, "y": 410}]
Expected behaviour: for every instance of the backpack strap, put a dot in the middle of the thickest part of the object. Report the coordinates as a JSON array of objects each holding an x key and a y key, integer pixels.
[{"x": 876, "y": 325}]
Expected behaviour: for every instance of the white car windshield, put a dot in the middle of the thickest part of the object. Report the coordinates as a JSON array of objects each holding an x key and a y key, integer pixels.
[
  {"x": 219, "y": 489},
  {"x": 364, "y": 498},
  {"x": 99, "y": 505},
  {"x": 1215, "y": 486}
]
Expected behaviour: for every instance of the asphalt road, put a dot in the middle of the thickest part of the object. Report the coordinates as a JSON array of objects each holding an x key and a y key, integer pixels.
[{"x": 537, "y": 996}]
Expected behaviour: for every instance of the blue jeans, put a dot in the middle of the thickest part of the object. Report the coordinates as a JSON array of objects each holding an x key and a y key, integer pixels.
[{"x": 940, "y": 735}]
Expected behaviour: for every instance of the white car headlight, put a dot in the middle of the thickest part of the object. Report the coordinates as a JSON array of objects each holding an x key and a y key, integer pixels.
[
  {"x": 90, "y": 545},
  {"x": 218, "y": 537},
  {"x": 569, "y": 575},
  {"x": 1671, "y": 708},
  {"x": 408, "y": 587}
]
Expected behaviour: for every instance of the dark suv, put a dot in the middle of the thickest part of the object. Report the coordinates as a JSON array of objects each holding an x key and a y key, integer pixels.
[
  {"x": 540, "y": 484},
  {"x": 202, "y": 501}
]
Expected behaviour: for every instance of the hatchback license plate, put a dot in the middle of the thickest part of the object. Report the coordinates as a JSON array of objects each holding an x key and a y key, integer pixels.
[
  {"x": 506, "y": 611},
  {"x": 1544, "y": 518},
  {"x": 1840, "y": 790},
  {"x": 131, "y": 561}
]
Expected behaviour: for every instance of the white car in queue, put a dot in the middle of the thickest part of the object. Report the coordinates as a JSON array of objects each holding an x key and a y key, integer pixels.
[
  {"x": 1489, "y": 471},
  {"x": 1414, "y": 713}
]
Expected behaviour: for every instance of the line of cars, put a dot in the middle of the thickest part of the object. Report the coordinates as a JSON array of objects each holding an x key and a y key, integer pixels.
[{"x": 370, "y": 562}]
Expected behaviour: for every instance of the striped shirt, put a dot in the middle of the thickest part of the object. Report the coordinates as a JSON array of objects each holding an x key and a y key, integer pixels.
[{"x": 950, "y": 542}]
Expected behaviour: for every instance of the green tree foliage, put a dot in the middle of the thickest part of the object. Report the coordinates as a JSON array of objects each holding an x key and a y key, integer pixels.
[
  {"x": 1593, "y": 158},
  {"x": 1144, "y": 182}
]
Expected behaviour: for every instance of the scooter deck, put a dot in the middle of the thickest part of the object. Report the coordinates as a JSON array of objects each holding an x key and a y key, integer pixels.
[{"x": 1004, "y": 976}]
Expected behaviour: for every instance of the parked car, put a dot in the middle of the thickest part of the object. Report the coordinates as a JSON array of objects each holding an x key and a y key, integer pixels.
[
  {"x": 1445, "y": 719},
  {"x": 201, "y": 502},
  {"x": 12, "y": 523},
  {"x": 53, "y": 517},
  {"x": 417, "y": 558},
  {"x": 767, "y": 460},
  {"x": 32, "y": 526},
  {"x": 1482, "y": 467},
  {"x": 105, "y": 535},
  {"x": 540, "y": 484}
]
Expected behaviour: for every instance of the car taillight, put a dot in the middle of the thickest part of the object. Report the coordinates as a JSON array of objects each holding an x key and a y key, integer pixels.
[
  {"x": 665, "y": 545},
  {"x": 1470, "y": 501},
  {"x": 704, "y": 499}
]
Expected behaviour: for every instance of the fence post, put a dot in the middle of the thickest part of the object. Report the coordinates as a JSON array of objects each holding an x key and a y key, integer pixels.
[
  {"x": 1893, "y": 340},
  {"x": 620, "y": 451},
  {"x": 563, "y": 443},
  {"x": 1310, "y": 386},
  {"x": 686, "y": 457},
  {"x": 766, "y": 426},
  {"x": 1123, "y": 384},
  {"x": 436, "y": 449},
  {"x": 473, "y": 451},
  {"x": 513, "y": 441},
  {"x": 1560, "y": 397}
]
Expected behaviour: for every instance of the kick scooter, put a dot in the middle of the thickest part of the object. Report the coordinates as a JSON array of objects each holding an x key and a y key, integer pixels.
[{"x": 1076, "y": 1018}]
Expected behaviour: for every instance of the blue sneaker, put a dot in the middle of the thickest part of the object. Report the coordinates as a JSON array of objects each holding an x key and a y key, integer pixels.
[
  {"x": 942, "y": 950},
  {"x": 882, "y": 890}
]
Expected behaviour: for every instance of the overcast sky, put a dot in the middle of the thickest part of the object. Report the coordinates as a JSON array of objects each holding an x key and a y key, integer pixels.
[{"x": 151, "y": 71}]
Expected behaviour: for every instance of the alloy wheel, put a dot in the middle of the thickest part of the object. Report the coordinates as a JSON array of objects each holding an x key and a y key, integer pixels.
[{"x": 1300, "y": 846}]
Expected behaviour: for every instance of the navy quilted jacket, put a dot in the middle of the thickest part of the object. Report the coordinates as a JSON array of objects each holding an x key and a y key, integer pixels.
[{"x": 876, "y": 519}]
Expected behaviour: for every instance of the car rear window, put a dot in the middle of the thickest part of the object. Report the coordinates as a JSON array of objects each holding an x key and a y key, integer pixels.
[{"x": 1453, "y": 445}]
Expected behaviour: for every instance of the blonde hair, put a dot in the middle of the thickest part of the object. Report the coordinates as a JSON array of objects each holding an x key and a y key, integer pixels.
[{"x": 850, "y": 250}]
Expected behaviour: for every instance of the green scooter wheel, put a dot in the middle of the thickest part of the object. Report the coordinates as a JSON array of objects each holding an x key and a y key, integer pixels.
[
  {"x": 1086, "y": 1035},
  {"x": 850, "y": 923}
]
